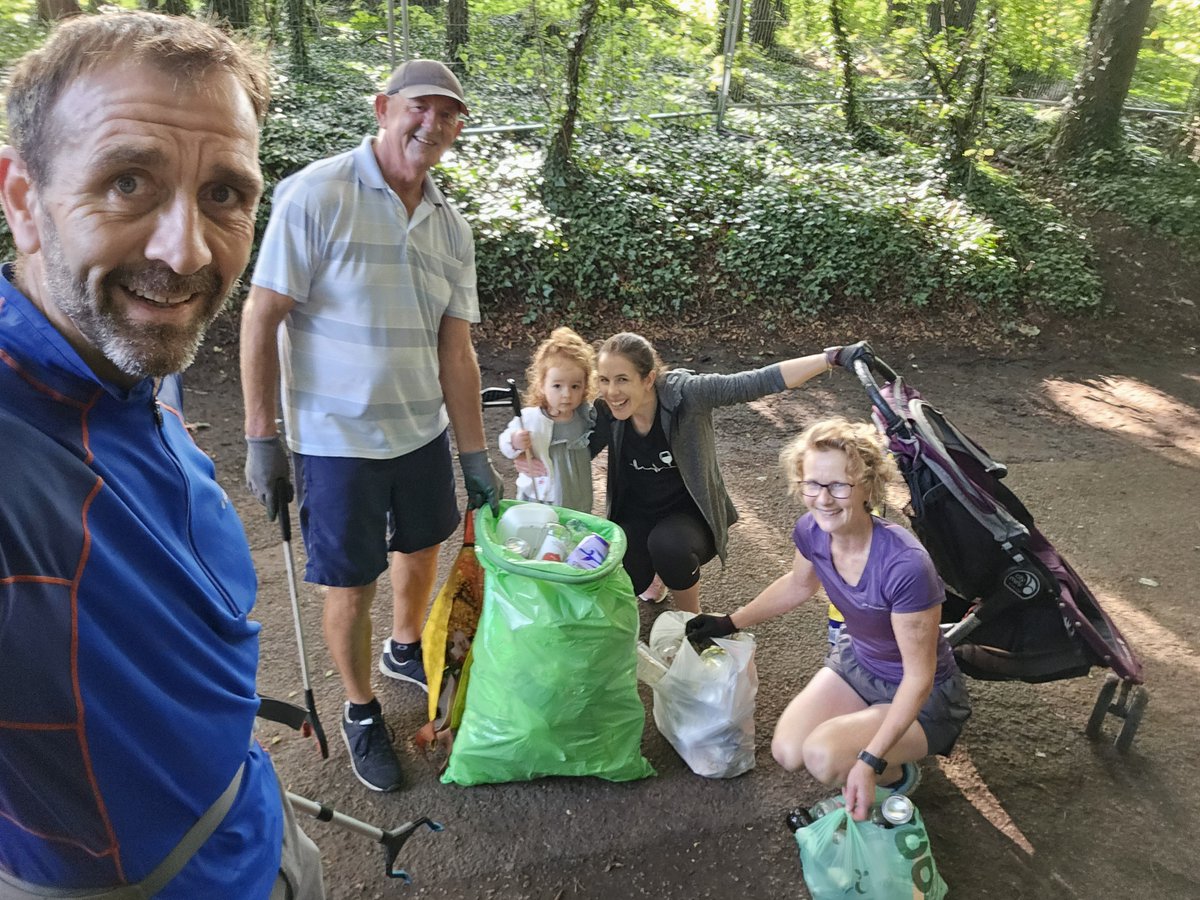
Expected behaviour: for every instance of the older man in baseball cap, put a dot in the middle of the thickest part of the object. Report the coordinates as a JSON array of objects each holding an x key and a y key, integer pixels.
[
  {"x": 371, "y": 274},
  {"x": 425, "y": 78}
]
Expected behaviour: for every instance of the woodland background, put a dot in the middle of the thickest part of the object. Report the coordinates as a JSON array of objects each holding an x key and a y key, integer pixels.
[{"x": 647, "y": 159}]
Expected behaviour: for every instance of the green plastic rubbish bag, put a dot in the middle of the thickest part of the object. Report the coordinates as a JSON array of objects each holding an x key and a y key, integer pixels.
[
  {"x": 553, "y": 687},
  {"x": 845, "y": 858}
]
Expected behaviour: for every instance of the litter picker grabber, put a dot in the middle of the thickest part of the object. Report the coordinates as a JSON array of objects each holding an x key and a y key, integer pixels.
[
  {"x": 312, "y": 725},
  {"x": 392, "y": 840},
  {"x": 509, "y": 395}
]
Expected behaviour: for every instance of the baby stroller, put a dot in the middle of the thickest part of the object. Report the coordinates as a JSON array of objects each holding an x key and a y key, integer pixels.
[{"x": 1015, "y": 609}]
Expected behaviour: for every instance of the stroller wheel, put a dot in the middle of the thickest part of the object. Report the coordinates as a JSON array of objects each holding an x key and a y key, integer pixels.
[
  {"x": 1103, "y": 701},
  {"x": 1133, "y": 718}
]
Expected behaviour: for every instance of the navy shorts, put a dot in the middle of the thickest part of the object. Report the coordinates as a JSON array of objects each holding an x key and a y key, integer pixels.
[
  {"x": 941, "y": 718},
  {"x": 354, "y": 511}
]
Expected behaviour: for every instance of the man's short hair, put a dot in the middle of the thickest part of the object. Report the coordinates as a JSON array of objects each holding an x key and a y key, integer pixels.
[{"x": 178, "y": 45}]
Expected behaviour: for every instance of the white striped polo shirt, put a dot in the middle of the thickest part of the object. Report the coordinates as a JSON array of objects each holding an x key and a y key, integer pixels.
[{"x": 358, "y": 353}]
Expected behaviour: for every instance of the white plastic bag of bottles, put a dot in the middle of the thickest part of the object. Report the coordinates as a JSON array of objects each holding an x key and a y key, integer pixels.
[{"x": 704, "y": 704}]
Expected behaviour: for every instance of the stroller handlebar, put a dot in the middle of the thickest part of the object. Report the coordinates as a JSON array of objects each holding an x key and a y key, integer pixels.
[{"x": 866, "y": 366}]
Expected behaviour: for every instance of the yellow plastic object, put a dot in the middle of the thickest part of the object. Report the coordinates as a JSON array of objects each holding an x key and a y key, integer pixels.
[{"x": 450, "y": 628}]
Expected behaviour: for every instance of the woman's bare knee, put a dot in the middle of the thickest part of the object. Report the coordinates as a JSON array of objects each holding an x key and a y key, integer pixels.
[
  {"x": 787, "y": 753},
  {"x": 822, "y": 762}
]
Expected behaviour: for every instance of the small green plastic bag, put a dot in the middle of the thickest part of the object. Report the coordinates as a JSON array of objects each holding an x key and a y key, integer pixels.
[
  {"x": 845, "y": 858},
  {"x": 553, "y": 687}
]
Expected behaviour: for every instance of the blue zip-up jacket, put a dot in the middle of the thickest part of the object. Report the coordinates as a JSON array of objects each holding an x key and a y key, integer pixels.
[{"x": 127, "y": 659}]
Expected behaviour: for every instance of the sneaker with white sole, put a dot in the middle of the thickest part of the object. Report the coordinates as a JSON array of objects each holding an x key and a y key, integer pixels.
[
  {"x": 655, "y": 593},
  {"x": 372, "y": 757},
  {"x": 909, "y": 780},
  {"x": 411, "y": 670}
]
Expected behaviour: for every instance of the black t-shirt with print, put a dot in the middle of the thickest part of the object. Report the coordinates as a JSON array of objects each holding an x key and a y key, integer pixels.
[{"x": 653, "y": 484}]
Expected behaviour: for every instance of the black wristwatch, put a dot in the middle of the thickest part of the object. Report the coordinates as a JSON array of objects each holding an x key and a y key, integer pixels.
[{"x": 873, "y": 761}]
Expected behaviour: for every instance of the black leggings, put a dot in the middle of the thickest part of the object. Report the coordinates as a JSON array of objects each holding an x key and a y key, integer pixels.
[{"x": 675, "y": 547}]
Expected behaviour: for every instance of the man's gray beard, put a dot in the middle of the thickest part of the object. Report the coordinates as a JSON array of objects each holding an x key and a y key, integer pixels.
[{"x": 139, "y": 351}]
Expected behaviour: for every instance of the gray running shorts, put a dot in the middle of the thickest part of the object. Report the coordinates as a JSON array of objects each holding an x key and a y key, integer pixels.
[{"x": 943, "y": 715}]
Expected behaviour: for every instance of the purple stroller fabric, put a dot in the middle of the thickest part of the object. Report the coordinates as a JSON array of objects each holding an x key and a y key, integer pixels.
[{"x": 1027, "y": 614}]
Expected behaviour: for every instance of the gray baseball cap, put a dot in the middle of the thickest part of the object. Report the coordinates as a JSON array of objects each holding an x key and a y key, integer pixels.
[{"x": 422, "y": 77}]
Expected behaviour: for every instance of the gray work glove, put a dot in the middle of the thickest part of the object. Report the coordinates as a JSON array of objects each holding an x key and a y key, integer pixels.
[
  {"x": 267, "y": 475},
  {"x": 482, "y": 481},
  {"x": 845, "y": 356}
]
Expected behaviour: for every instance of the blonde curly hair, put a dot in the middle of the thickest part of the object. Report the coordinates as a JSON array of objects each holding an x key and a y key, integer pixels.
[
  {"x": 563, "y": 347},
  {"x": 866, "y": 461}
]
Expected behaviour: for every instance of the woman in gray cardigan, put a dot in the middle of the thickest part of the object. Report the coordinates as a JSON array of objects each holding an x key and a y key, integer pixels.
[{"x": 664, "y": 485}]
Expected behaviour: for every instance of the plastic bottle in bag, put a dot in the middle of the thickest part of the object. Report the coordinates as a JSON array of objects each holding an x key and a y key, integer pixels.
[{"x": 650, "y": 669}]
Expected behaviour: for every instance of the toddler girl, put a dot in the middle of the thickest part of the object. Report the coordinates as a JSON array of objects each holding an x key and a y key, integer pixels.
[{"x": 556, "y": 422}]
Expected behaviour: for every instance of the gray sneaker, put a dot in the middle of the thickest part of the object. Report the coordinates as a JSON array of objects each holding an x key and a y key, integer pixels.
[
  {"x": 909, "y": 780},
  {"x": 371, "y": 755},
  {"x": 411, "y": 670}
]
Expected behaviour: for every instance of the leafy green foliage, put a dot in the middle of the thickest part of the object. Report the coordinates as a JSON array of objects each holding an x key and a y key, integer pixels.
[
  {"x": 1143, "y": 184},
  {"x": 789, "y": 222},
  {"x": 1169, "y": 55},
  {"x": 327, "y": 113},
  {"x": 1146, "y": 188},
  {"x": 784, "y": 215},
  {"x": 21, "y": 30}
]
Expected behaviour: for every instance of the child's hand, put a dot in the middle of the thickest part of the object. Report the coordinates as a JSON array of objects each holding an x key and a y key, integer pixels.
[
  {"x": 521, "y": 440},
  {"x": 534, "y": 468}
]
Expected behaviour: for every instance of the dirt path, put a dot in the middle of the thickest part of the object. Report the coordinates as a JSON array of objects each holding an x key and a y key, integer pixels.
[{"x": 1099, "y": 423}]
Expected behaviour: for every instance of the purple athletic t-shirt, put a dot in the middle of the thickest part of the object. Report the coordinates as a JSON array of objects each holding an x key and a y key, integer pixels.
[{"x": 899, "y": 577}]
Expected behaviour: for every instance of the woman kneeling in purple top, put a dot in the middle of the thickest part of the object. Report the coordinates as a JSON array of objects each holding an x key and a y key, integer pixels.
[{"x": 890, "y": 691}]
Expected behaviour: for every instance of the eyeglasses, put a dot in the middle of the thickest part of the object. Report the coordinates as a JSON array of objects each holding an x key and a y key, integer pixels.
[{"x": 838, "y": 490}]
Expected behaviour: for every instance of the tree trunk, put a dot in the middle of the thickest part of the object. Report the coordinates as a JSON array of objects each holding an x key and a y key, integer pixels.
[
  {"x": 841, "y": 46},
  {"x": 53, "y": 10},
  {"x": 177, "y": 7},
  {"x": 1092, "y": 118},
  {"x": 458, "y": 16},
  {"x": 297, "y": 39},
  {"x": 1094, "y": 17},
  {"x": 559, "y": 156},
  {"x": 957, "y": 14},
  {"x": 763, "y": 23},
  {"x": 235, "y": 12},
  {"x": 1189, "y": 135},
  {"x": 897, "y": 12}
]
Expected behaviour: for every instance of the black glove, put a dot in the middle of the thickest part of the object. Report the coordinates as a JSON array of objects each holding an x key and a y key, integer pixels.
[
  {"x": 482, "y": 481},
  {"x": 845, "y": 356},
  {"x": 701, "y": 629},
  {"x": 267, "y": 474}
]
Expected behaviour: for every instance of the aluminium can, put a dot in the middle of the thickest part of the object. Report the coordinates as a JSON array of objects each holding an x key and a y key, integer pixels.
[
  {"x": 518, "y": 546},
  {"x": 589, "y": 553},
  {"x": 896, "y": 809}
]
